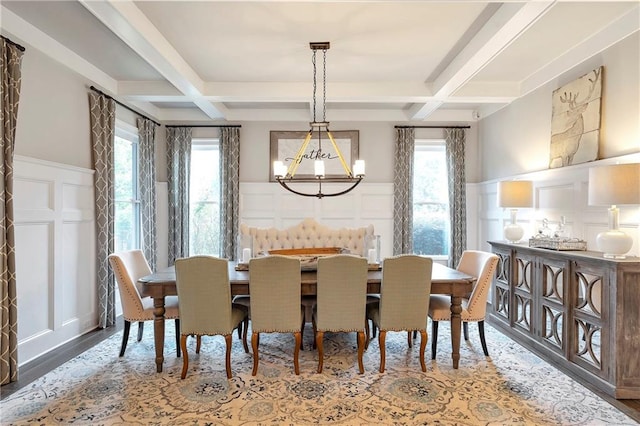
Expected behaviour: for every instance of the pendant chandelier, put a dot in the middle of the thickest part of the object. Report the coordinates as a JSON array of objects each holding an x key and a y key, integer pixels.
[{"x": 286, "y": 176}]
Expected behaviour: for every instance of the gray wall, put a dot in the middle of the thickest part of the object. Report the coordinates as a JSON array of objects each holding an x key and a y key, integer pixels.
[{"x": 516, "y": 139}]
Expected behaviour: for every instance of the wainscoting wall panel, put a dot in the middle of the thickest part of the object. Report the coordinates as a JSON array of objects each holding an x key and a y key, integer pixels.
[
  {"x": 269, "y": 205},
  {"x": 557, "y": 192},
  {"x": 55, "y": 255}
]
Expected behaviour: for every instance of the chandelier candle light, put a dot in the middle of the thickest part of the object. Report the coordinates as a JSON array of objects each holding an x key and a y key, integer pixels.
[
  {"x": 513, "y": 194},
  {"x": 287, "y": 175},
  {"x": 614, "y": 185}
]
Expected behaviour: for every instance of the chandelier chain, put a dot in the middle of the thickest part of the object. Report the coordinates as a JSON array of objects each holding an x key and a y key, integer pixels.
[
  {"x": 313, "y": 59},
  {"x": 324, "y": 85}
]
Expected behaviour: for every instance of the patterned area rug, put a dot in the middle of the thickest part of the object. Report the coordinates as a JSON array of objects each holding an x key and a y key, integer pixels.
[{"x": 512, "y": 386}]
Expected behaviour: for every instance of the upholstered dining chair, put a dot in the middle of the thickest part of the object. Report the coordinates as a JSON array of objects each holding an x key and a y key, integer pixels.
[
  {"x": 404, "y": 300},
  {"x": 341, "y": 301},
  {"x": 274, "y": 284},
  {"x": 205, "y": 306},
  {"x": 128, "y": 267},
  {"x": 477, "y": 264}
]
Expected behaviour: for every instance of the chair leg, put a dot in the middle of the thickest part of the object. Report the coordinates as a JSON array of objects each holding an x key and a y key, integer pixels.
[
  {"x": 465, "y": 330},
  {"x": 409, "y": 339},
  {"x": 302, "y": 333},
  {"x": 185, "y": 358},
  {"x": 319, "y": 344},
  {"x": 125, "y": 337},
  {"x": 482, "y": 341},
  {"x": 245, "y": 327},
  {"x": 434, "y": 338},
  {"x": 227, "y": 358},
  {"x": 367, "y": 332},
  {"x": 198, "y": 343},
  {"x": 254, "y": 346},
  {"x": 361, "y": 340},
  {"x": 177, "y": 322},
  {"x": 240, "y": 331},
  {"x": 423, "y": 345},
  {"x": 296, "y": 352},
  {"x": 140, "y": 330},
  {"x": 382, "y": 335}
]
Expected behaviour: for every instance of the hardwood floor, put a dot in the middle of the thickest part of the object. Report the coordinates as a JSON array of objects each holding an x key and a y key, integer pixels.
[
  {"x": 49, "y": 361},
  {"x": 41, "y": 366}
]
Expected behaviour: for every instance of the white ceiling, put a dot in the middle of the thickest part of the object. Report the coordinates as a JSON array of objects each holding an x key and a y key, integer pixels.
[{"x": 401, "y": 61}]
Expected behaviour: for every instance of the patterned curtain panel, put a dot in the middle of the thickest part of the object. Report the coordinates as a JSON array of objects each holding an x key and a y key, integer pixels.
[
  {"x": 403, "y": 192},
  {"x": 9, "y": 96},
  {"x": 455, "y": 146},
  {"x": 103, "y": 118},
  {"x": 178, "y": 171},
  {"x": 229, "y": 190},
  {"x": 147, "y": 188}
]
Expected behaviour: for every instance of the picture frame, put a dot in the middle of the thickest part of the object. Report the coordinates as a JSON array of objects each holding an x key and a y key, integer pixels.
[{"x": 285, "y": 144}]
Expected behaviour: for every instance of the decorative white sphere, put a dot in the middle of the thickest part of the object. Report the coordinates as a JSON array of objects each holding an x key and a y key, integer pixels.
[
  {"x": 513, "y": 232},
  {"x": 614, "y": 243}
]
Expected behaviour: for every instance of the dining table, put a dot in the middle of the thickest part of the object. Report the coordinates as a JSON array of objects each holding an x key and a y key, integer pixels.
[{"x": 444, "y": 280}]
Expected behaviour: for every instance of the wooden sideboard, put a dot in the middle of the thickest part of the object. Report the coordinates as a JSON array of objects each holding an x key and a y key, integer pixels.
[{"x": 575, "y": 309}]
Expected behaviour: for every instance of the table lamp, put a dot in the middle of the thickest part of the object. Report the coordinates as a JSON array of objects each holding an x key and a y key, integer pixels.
[
  {"x": 513, "y": 194},
  {"x": 612, "y": 186}
]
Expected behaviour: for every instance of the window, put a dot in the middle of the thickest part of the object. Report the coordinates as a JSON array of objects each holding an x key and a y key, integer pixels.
[
  {"x": 127, "y": 201},
  {"x": 204, "y": 198},
  {"x": 431, "y": 224}
]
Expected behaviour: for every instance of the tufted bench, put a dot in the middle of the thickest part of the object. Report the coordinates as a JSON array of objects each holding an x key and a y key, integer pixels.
[{"x": 307, "y": 234}]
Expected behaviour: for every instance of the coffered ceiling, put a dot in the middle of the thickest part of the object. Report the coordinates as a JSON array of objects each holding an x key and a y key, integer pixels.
[{"x": 398, "y": 61}]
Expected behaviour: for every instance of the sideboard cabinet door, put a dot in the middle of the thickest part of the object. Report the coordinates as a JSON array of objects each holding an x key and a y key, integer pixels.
[{"x": 577, "y": 310}]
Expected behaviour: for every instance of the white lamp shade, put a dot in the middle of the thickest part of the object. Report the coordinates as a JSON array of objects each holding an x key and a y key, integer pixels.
[
  {"x": 614, "y": 184},
  {"x": 515, "y": 193}
]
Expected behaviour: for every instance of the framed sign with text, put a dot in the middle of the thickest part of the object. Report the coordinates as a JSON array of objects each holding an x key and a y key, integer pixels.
[{"x": 285, "y": 146}]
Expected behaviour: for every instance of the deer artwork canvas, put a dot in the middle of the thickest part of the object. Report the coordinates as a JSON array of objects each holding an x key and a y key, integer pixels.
[{"x": 575, "y": 121}]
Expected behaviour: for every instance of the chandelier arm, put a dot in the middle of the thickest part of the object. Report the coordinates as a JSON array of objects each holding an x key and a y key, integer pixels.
[
  {"x": 319, "y": 194},
  {"x": 293, "y": 167},
  {"x": 345, "y": 166},
  {"x": 335, "y": 194},
  {"x": 304, "y": 194}
]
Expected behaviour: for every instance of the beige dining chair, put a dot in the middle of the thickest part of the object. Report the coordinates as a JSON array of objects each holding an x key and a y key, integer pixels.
[
  {"x": 202, "y": 283},
  {"x": 341, "y": 301},
  {"x": 404, "y": 300},
  {"x": 128, "y": 267},
  {"x": 274, "y": 284},
  {"x": 477, "y": 264}
]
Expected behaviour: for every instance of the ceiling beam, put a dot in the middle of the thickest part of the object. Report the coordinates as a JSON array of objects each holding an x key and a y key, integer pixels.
[
  {"x": 126, "y": 21},
  {"x": 506, "y": 25},
  {"x": 610, "y": 35},
  {"x": 23, "y": 30}
]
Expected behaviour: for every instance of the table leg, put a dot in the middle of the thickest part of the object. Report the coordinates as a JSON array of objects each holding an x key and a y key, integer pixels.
[
  {"x": 158, "y": 331},
  {"x": 456, "y": 325}
]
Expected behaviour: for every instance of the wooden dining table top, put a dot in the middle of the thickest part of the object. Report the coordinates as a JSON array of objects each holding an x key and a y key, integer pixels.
[{"x": 444, "y": 280}]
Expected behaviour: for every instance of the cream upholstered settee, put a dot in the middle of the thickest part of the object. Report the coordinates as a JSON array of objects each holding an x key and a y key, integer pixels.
[{"x": 307, "y": 234}]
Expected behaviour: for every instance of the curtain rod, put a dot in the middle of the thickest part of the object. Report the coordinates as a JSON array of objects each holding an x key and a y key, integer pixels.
[
  {"x": 20, "y": 48},
  {"x": 123, "y": 105},
  {"x": 432, "y": 127},
  {"x": 206, "y": 125}
]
